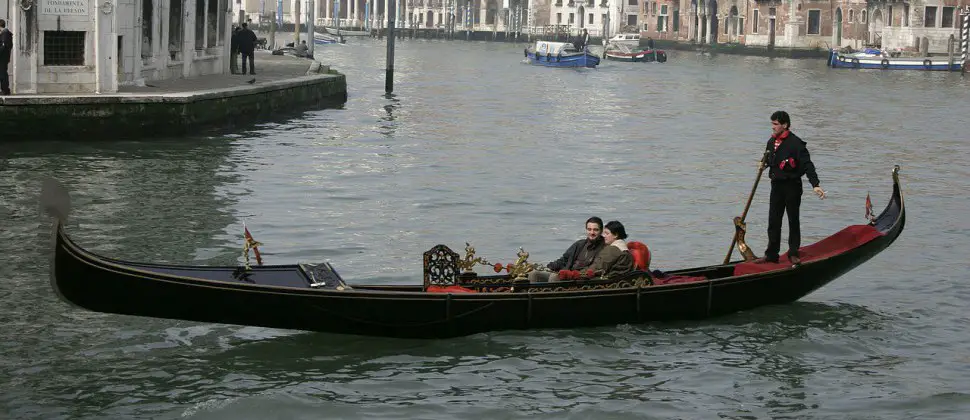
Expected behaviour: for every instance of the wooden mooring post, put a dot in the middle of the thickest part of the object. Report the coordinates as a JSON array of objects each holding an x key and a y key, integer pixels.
[{"x": 389, "y": 76}]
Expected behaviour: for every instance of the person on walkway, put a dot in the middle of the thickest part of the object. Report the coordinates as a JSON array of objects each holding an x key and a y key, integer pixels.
[
  {"x": 787, "y": 160},
  {"x": 247, "y": 46},
  {"x": 301, "y": 49},
  {"x": 6, "y": 49},
  {"x": 234, "y": 50},
  {"x": 578, "y": 256}
]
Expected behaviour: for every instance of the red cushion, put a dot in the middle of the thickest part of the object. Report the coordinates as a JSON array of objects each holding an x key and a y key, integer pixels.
[
  {"x": 846, "y": 239},
  {"x": 641, "y": 255},
  {"x": 677, "y": 279},
  {"x": 449, "y": 289}
]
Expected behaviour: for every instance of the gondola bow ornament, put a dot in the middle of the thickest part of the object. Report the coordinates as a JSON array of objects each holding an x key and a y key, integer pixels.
[
  {"x": 870, "y": 216},
  {"x": 251, "y": 243}
]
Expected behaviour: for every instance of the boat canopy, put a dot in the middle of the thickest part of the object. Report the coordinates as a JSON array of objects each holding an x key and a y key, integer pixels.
[{"x": 554, "y": 48}]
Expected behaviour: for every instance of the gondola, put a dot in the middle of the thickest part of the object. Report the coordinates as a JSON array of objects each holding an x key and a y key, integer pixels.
[{"x": 453, "y": 300}]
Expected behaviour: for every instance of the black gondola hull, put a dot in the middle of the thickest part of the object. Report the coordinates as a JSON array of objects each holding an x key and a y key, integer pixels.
[{"x": 280, "y": 296}]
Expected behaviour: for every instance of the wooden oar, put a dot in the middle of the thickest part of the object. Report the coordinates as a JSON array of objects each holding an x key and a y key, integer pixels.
[{"x": 739, "y": 221}]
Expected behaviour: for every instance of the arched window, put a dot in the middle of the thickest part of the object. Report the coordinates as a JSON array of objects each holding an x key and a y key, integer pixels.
[
  {"x": 851, "y": 15},
  {"x": 864, "y": 16}
]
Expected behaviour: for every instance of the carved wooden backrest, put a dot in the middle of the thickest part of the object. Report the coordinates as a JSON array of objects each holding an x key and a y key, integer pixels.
[{"x": 441, "y": 267}]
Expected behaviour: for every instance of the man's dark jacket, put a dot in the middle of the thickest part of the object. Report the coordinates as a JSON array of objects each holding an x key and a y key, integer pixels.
[
  {"x": 6, "y": 45},
  {"x": 568, "y": 259},
  {"x": 247, "y": 41},
  {"x": 791, "y": 160}
]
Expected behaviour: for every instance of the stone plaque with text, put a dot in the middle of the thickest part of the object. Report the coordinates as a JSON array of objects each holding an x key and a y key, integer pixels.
[{"x": 64, "y": 7}]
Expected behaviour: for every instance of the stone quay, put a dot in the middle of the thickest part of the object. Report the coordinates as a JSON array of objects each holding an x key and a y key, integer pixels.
[{"x": 172, "y": 107}]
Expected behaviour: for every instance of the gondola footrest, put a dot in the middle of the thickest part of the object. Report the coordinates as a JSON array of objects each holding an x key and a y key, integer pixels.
[{"x": 323, "y": 276}]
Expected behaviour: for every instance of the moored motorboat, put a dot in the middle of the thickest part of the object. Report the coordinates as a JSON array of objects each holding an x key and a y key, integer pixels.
[
  {"x": 452, "y": 300},
  {"x": 876, "y": 59},
  {"x": 622, "y": 52}
]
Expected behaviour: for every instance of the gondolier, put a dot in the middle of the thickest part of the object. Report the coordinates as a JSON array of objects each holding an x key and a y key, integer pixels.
[{"x": 787, "y": 161}]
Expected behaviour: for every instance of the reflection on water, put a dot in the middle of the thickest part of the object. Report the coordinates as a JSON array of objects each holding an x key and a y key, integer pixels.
[{"x": 475, "y": 146}]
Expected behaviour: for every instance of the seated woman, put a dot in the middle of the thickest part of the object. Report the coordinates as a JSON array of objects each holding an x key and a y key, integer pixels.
[{"x": 615, "y": 258}]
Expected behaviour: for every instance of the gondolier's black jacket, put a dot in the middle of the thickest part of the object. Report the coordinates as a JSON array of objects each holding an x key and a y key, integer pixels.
[
  {"x": 568, "y": 259},
  {"x": 792, "y": 150}
]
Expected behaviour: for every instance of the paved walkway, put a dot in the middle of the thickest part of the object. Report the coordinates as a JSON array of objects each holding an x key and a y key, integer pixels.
[{"x": 269, "y": 68}]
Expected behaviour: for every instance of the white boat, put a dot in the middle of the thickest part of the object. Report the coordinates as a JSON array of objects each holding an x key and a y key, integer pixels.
[
  {"x": 319, "y": 38},
  {"x": 346, "y": 32},
  {"x": 628, "y": 39}
]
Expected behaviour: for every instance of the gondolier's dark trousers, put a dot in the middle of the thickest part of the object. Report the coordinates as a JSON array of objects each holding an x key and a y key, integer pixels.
[{"x": 786, "y": 196}]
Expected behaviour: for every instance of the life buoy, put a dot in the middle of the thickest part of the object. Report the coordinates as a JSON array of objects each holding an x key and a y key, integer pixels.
[
  {"x": 855, "y": 62},
  {"x": 927, "y": 64},
  {"x": 884, "y": 63}
]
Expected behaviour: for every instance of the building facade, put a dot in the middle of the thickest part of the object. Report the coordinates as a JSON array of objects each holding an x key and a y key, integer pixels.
[
  {"x": 597, "y": 17},
  {"x": 922, "y": 25},
  {"x": 92, "y": 46},
  {"x": 930, "y": 26}
]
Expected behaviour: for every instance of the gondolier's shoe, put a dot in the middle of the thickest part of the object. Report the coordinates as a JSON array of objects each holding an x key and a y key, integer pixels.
[{"x": 795, "y": 260}]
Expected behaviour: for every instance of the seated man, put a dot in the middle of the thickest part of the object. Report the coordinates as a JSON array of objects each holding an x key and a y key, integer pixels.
[
  {"x": 578, "y": 256},
  {"x": 301, "y": 50}
]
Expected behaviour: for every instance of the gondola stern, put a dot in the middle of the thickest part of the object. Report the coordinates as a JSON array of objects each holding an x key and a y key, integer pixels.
[
  {"x": 55, "y": 201},
  {"x": 57, "y": 232}
]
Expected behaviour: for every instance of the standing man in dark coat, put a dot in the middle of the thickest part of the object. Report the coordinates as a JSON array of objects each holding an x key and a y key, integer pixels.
[
  {"x": 6, "y": 48},
  {"x": 787, "y": 160},
  {"x": 234, "y": 50},
  {"x": 247, "y": 46}
]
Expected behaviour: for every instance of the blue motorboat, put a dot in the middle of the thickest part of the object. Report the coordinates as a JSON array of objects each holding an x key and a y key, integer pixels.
[{"x": 560, "y": 54}]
